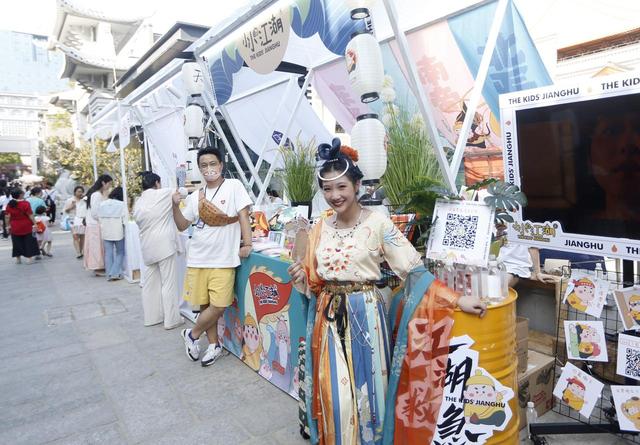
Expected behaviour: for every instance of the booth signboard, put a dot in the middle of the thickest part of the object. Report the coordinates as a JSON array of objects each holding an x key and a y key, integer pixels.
[
  {"x": 263, "y": 42},
  {"x": 474, "y": 405},
  {"x": 266, "y": 322},
  {"x": 574, "y": 150}
]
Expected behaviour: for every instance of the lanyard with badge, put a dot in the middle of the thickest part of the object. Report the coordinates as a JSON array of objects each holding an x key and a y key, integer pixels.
[{"x": 200, "y": 223}]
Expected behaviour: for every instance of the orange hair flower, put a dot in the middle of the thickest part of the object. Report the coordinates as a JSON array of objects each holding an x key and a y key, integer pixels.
[{"x": 352, "y": 153}]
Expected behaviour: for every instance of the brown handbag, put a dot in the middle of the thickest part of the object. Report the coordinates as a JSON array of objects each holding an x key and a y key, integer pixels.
[{"x": 212, "y": 215}]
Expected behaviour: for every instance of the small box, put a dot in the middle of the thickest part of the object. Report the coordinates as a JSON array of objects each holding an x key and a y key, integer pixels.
[
  {"x": 542, "y": 343},
  {"x": 522, "y": 354},
  {"x": 522, "y": 328},
  {"x": 536, "y": 385}
]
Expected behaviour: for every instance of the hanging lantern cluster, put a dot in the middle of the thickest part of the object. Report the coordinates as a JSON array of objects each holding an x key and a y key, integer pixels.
[
  {"x": 366, "y": 75},
  {"x": 193, "y": 80}
]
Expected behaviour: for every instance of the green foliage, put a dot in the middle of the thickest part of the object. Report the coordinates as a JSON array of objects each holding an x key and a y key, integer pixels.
[
  {"x": 412, "y": 166},
  {"x": 59, "y": 121},
  {"x": 63, "y": 154},
  {"x": 10, "y": 158},
  {"x": 298, "y": 173},
  {"x": 505, "y": 198}
]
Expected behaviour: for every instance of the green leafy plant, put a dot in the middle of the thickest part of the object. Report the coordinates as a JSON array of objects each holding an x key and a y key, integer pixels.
[
  {"x": 298, "y": 172},
  {"x": 412, "y": 166}
]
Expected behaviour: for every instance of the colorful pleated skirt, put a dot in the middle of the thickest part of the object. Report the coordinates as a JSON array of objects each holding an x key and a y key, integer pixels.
[{"x": 350, "y": 363}]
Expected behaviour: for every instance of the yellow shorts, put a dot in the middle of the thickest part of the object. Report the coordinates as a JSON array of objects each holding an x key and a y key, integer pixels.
[{"x": 209, "y": 286}]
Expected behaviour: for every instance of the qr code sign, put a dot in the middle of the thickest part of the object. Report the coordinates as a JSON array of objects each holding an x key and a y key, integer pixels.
[
  {"x": 632, "y": 362},
  {"x": 460, "y": 231}
]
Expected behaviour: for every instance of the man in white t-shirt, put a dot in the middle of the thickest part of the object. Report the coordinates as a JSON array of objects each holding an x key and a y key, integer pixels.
[{"x": 214, "y": 251}]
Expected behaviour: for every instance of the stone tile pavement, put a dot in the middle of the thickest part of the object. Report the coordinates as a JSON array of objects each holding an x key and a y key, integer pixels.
[{"x": 77, "y": 366}]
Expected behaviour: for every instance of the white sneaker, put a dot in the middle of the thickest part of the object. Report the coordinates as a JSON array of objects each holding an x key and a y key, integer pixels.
[
  {"x": 192, "y": 348},
  {"x": 213, "y": 353}
]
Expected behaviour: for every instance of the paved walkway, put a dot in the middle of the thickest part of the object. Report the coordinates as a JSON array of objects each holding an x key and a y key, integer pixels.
[{"x": 78, "y": 367}]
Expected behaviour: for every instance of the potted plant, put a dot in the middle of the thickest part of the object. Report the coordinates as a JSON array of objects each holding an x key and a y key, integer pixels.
[{"x": 298, "y": 173}]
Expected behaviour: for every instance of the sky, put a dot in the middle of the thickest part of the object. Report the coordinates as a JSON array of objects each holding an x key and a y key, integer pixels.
[{"x": 38, "y": 16}]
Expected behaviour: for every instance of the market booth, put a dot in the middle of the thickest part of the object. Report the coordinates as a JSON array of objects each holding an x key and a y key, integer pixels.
[{"x": 450, "y": 65}]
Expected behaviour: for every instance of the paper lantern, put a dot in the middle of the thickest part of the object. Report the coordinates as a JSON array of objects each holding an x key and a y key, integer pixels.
[
  {"x": 360, "y": 9},
  {"x": 193, "y": 126},
  {"x": 364, "y": 64},
  {"x": 367, "y": 136},
  {"x": 193, "y": 78}
]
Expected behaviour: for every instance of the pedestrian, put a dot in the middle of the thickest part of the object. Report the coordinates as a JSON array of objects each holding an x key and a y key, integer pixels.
[
  {"x": 35, "y": 199},
  {"x": 220, "y": 212},
  {"x": 93, "y": 248},
  {"x": 22, "y": 224},
  {"x": 76, "y": 210},
  {"x": 350, "y": 341},
  {"x": 5, "y": 197},
  {"x": 112, "y": 215},
  {"x": 43, "y": 234},
  {"x": 49, "y": 196},
  {"x": 154, "y": 216}
]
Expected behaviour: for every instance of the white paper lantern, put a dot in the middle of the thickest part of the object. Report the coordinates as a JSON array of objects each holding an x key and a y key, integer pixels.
[
  {"x": 193, "y": 78},
  {"x": 193, "y": 126},
  {"x": 364, "y": 65},
  {"x": 367, "y": 136},
  {"x": 360, "y": 9}
]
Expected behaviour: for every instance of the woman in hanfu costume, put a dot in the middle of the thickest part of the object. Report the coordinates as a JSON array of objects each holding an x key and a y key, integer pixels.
[{"x": 348, "y": 353}]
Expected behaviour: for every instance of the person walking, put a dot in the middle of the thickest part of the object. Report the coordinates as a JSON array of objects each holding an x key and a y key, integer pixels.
[
  {"x": 75, "y": 208},
  {"x": 49, "y": 196},
  {"x": 5, "y": 197},
  {"x": 350, "y": 347},
  {"x": 35, "y": 199},
  {"x": 22, "y": 225},
  {"x": 43, "y": 234},
  {"x": 112, "y": 215},
  {"x": 93, "y": 247},
  {"x": 220, "y": 212},
  {"x": 154, "y": 216}
]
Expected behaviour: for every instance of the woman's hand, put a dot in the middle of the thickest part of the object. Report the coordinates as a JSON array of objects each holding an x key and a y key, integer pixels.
[
  {"x": 472, "y": 305},
  {"x": 245, "y": 251},
  {"x": 298, "y": 275}
]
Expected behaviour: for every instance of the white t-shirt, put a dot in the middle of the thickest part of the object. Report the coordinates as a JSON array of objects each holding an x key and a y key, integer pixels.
[{"x": 217, "y": 247}]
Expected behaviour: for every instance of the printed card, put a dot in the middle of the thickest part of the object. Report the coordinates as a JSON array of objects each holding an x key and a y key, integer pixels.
[
  {"x": 628, "y": 363},
  {"x": 585, "y": 340},
  {"x": 578, "y": 390},
  {"x": 586, "y": 293},
  {"x": 627, "y": 402},
  {"x": 628, "y": 302}
]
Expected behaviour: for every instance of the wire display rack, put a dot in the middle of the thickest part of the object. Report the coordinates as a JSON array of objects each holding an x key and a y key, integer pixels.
[{"x": 603, "y": 418}]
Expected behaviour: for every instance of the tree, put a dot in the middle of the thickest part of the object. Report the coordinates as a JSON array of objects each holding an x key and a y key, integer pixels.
[{"x": 62, "y": 154}]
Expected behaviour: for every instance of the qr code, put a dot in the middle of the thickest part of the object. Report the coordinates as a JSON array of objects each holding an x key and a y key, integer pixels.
[
  {"x": 632, "y": 362},
  {"x": 460, "y": 231}
]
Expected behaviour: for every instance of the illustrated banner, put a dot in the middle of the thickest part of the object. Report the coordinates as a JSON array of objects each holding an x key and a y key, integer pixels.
[{"x": 266, "y": 322}]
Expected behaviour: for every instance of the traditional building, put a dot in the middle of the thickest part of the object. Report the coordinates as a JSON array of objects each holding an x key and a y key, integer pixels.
[{"x": 99, "y": 44}]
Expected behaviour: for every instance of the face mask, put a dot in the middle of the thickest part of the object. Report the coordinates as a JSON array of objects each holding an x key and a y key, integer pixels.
[{"x": 211, "y": 175}]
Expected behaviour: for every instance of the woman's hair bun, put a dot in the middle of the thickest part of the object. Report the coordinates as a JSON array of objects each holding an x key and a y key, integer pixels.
[{"x": 328, "y": 152}]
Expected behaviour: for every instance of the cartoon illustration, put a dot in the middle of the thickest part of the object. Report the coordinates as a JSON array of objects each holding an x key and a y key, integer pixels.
[
  {"x": 278, "y": 356},
  {"x": 583, "y": 294},
  {"x": 631, "y": 410},
  {"x": 573, "y": 395},
  {"x": 483, "y": 405},
  {"x": 222, "y": 327},
  {"x": 585, "y": 341},
  {"x": 251, "y": 343},
  {"x": 634, "y": 308}
]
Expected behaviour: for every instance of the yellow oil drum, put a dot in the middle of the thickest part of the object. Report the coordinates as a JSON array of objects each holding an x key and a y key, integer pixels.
[{"x": 495, "y": 341}]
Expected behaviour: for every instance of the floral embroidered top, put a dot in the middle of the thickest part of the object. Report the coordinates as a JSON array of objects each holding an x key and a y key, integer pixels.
[{"x": 355, "y": 255}]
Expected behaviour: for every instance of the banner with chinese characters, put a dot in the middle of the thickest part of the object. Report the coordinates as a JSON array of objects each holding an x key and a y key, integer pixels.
[
  {"x": 474, "y": 405},
  {"x": 266, "y": 322},
  {"x": 572, "y": 148},
  {"x": 263, "y": 44}
]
